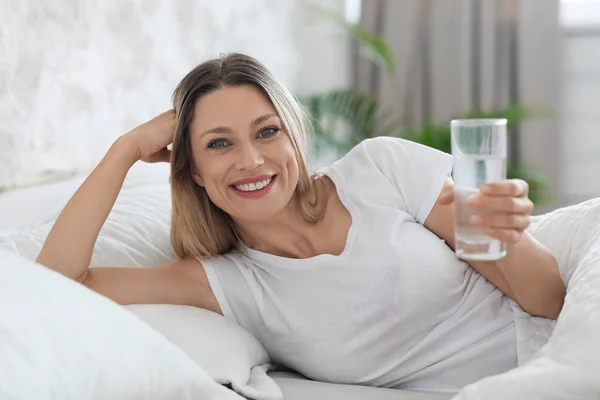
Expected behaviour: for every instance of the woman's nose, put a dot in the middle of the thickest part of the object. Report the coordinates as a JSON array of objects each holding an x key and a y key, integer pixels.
[{"x": 249, "y": 157}]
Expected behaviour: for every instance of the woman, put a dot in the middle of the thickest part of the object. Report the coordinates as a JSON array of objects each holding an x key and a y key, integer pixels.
[{"x": 345, "y": 276}]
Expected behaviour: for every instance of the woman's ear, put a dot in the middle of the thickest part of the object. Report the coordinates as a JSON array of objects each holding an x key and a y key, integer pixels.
[{"x": 198, "y": 179}]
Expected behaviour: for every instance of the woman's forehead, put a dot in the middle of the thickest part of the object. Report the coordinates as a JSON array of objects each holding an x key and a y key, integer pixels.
[{"x": 230, "y": 106}]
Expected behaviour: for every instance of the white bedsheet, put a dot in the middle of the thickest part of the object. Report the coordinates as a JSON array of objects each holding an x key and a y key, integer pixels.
[{"x": 558, "y": 359}]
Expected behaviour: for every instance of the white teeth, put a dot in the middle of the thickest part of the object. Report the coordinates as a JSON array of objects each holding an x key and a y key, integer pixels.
[{"x": 250, "y": 187}]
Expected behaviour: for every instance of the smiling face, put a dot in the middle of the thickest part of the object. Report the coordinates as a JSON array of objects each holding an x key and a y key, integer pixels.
[{"x": 242, "y": 155}]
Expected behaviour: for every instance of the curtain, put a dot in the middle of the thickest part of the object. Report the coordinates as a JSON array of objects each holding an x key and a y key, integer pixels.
[{"x": 455, "y": 56}]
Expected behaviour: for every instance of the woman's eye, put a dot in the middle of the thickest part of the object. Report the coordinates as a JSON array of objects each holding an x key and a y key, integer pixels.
[
  {"x": 268, "y": 132},
  {"x": 218, "y": 144}
]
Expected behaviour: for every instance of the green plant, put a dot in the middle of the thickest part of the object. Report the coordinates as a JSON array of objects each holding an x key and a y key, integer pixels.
[
  {"x": 362, "y": 116},
  {"x": 358, "y": 111}
]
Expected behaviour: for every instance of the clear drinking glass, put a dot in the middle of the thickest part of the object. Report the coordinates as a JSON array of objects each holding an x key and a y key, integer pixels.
[{"x": 479, "y": 150}]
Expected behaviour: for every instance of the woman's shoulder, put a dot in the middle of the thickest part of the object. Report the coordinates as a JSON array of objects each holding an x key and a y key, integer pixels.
[
  {"x": 361, "y": 152},
  {"x": 379, "y": 153},
  {"x": 385, "y": 146},
  {"x": 233, "y": 257},
  {"x": 374, "y": 146}
]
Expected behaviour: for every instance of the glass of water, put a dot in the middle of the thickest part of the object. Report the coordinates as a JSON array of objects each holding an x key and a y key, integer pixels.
[{"x": 479, "y": 151}]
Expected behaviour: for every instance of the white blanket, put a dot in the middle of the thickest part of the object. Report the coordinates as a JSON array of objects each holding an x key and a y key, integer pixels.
[{"x": 558, "y": 359}]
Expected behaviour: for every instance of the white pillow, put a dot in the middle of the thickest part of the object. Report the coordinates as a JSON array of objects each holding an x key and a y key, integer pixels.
[
  {"x": 136, "y": 234},
  {"x": 59, "y": 340},
  {"x": 224, "y": 349}
]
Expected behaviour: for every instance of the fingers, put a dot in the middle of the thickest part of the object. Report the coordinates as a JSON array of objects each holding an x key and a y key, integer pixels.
[
  {"x": 508, "y": 236},
  {"x": 161, "y": 156},
  {"x": 501, "y": 204},
  {"x": 510, "y": 187},
  {"x": 502, "y": 209},
  {"x": 501, "y": 221},
  {"x": 164, "y": 155}
]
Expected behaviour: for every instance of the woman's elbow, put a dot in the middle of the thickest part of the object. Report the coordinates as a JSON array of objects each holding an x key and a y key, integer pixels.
[{"x": 550, "y": 304}]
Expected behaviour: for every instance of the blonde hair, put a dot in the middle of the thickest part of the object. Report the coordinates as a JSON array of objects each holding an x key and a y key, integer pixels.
[{"x": 198, "y": 227}]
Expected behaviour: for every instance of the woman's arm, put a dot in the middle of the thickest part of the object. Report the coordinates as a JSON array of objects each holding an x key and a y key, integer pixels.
[
  {"x": 69, "y": 246},
  {"x": 533, "y": 274},
  {"x": 70, "y": 243},
  {"x": 529, "y": 273}
]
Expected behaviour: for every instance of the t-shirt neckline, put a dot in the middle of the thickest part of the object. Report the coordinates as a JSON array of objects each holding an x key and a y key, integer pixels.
[{"x": 274, "y": 259}]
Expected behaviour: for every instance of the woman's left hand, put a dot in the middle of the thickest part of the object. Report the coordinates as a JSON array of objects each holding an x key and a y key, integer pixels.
[{"x": 503, "y": 209}]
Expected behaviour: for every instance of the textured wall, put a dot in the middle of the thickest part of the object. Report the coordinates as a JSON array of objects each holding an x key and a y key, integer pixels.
[{"x": 75, "y": 74}]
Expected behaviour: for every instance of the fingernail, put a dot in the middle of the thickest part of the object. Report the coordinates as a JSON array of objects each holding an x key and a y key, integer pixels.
[{"x": 475, "y": 220}]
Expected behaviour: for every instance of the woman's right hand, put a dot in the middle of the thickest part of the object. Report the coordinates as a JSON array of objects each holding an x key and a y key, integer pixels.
[{"x": 150, "y": 140}]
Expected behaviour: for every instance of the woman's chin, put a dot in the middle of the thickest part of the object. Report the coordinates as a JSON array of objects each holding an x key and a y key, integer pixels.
[{"x": 258, "y": 213}]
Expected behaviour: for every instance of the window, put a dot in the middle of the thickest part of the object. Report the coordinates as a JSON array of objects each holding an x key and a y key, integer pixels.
[{"x": 580, "y": 110}]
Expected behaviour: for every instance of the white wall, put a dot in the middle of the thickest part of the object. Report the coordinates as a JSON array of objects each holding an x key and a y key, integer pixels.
[
  {"x": 323, "y": 49},
  {"x": 75, "y": 74}
]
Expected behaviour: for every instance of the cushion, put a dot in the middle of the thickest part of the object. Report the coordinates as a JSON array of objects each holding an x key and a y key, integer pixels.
[
  {"x": 228, "y": 353},
  {"x": 136, "y": 234},
  {"x": 60, "y": 340}
]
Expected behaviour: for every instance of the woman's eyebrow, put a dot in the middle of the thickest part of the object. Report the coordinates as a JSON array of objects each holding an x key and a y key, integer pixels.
[
  {"x": 262, "y": 118},
  {"x": 218, "y": 129},
  {"x": 227, "y": 130}
]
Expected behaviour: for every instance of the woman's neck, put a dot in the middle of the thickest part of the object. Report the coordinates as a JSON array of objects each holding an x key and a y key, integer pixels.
[{"x": 288, "y": 234}]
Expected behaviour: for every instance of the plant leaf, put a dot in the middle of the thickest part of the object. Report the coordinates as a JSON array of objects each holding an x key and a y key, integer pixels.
[
  {"x": 373, "y": 46},
  {"x": 514, "y": 114}
]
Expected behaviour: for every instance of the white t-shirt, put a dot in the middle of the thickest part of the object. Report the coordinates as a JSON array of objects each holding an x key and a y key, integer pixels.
[{"x": 396, "y": 308}]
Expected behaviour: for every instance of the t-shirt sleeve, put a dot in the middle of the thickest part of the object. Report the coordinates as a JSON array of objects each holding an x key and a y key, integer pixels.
[
  {"x": 234, "y": 286},
  {"x": 417, "y": 171}
]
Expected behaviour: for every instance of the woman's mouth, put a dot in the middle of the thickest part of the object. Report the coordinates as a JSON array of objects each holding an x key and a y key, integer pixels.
[{"x": 254, "y": 189}]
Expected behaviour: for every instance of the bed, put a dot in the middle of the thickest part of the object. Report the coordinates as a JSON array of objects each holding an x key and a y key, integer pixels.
[{"x": 559, "y": 359}]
